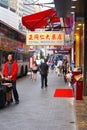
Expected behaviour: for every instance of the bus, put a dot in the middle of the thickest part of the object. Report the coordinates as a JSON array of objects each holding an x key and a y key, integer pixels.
[{"x": 14, "y": 42}]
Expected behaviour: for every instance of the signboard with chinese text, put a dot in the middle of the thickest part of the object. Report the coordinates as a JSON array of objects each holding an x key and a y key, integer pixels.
[{"x": 45, "y": 38}]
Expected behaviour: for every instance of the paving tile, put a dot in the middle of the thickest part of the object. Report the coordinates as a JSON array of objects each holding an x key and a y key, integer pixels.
[
  {"x": 81, "y": 113},
  {"x": 38, "y": 109}
]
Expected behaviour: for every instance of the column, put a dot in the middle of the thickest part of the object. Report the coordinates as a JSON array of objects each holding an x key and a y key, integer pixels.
[{"x": 85, "y": 49}]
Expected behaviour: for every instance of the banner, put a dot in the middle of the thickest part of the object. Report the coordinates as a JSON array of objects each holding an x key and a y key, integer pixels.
[{"x": 45, "y": 38}]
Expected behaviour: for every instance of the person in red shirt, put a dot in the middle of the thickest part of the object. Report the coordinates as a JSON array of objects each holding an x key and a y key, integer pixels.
[{"x": 10, "y": 71}]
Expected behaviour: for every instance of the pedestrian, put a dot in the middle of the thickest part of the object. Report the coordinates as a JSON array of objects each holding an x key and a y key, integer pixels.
[
  {"x": 34, "y": 71},
  {"x": 60, "y": 65},
  {"x": 10, "y": 71},
  {"x": 69, "y": 78},
  {"x": 52, "y": 64},
  {"x": 44, "y": 73},
  {"x": 1, "y": 78},
  {"x": 65, "y": 62},
  {"x": 1, "y": 75}
]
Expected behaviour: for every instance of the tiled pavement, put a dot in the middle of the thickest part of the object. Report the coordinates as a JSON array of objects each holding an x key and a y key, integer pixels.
[
  {"x": 38, "y": 109},
  {"x": 81, "y": 113}
]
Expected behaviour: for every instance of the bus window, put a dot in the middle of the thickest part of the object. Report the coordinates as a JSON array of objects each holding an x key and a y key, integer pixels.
[
  {"x": 4, "y": 56},
  {"x": 19, "y": 56},
  {"x": 25, "y": 57}
]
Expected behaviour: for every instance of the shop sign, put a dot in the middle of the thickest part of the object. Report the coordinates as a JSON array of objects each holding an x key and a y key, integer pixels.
[{"x": 45, "y": 38}]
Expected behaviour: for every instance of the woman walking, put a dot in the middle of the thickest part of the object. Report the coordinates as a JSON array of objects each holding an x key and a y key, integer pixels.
[{"x": 34, "y": 71}]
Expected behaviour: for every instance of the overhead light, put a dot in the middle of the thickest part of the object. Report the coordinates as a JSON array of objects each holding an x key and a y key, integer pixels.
[
  {"x": 72, "y": 12},
  {"x": 79, "y": 24},
  {"x": 77, "y": 28},
  {"x": 73, "y": 7},
  {"x": 74, "y": 0}
]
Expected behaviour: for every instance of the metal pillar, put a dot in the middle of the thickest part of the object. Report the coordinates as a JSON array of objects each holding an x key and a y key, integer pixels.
[{"x": 85, "y": 50}]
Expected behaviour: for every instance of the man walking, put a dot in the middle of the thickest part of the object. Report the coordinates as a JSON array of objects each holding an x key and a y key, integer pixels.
[
  {"x": 44, "y": 73},
  {"x": 10, "y": 71},
  {"x": 59, "y": 65}
]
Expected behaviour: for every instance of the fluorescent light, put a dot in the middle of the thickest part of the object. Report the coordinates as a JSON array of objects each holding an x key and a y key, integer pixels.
[
  {"x": 79, "y": 24},
  {"x": 72, "y": 12},
  {"x": 74, "y": 0},
  {"x": 77, "y": 28},
  {"x": 73, "y": 7}
]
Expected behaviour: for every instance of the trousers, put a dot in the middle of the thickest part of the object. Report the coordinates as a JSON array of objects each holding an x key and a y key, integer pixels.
[
  {"x": 43, "y": 79},
  {"x": 15, "y": 93}
]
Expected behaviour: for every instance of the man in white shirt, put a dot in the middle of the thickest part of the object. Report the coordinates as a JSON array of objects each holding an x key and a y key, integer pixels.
[{"x": 59, "y": 65}]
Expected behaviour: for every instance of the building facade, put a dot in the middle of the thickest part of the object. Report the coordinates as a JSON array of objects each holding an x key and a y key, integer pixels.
[
  {"x": 8, "y": 12},
  {"x": 11, "y": 12},
  {"x": 28, "y": 8}
]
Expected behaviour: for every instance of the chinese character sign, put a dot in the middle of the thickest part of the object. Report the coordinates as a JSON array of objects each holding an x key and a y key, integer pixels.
[{"x": 45, "y": 38}]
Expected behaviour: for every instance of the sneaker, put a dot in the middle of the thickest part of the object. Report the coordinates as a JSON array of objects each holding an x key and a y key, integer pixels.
[
  {"x": 42, "y": 87},
  {"x": 11, "y": 100},
  {"x": 46, "y": 86},
  {"x": 17, "y": 102},
  {"x": 8, "y": 103}
]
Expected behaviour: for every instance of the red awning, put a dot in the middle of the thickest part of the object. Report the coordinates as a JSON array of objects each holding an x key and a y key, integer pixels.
[{"x": 40, "y": 19}]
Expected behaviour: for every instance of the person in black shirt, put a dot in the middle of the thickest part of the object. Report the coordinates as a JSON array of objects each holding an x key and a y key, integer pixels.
[
  {"x": 44, "y": 73},
  {"x": 65, "y": 70}
]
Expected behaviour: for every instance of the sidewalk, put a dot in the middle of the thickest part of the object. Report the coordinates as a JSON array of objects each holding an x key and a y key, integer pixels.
[
  {"x": 81, "y": 113},
  {"x": 38, "y": 109}
]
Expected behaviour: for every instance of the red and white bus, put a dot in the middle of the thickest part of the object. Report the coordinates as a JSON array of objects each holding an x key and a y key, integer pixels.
[{"x": 13, "y": 41}]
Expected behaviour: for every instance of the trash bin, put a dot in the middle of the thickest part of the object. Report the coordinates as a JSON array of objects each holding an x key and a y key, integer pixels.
[{"x": 78, "y": 87}]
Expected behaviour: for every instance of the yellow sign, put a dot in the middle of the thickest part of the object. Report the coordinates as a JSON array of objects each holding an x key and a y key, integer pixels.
[{"x": 45, "y": 38}]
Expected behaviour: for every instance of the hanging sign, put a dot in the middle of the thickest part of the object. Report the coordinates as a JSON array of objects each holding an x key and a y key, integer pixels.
[{"x": 45, "y": 38}]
